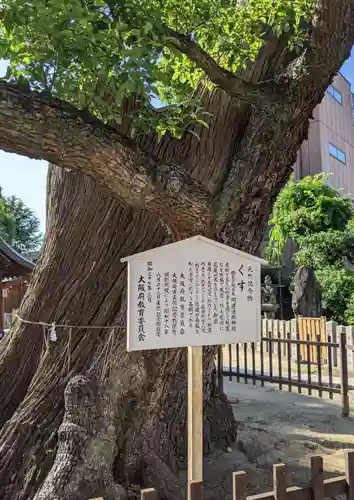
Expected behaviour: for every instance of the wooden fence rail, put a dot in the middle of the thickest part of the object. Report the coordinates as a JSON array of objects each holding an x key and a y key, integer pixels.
[
  {"x": 303, "y": 328},
  {"x": 238, "y": 361},
  {"x": 304, "y": 364},
  {"x": 318, "y": 489}
]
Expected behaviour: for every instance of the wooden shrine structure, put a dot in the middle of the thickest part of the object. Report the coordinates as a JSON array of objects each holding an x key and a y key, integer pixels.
[{"x": 15, "y": 270}]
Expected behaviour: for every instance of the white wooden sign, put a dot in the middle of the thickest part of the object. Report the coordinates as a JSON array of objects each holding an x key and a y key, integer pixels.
[{"x": 192, "y": 293}]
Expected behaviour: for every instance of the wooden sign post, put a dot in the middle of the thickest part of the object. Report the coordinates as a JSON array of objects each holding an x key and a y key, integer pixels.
[
  {"x": 195, "y": 414},
  {"x": 193, "y": 293}
]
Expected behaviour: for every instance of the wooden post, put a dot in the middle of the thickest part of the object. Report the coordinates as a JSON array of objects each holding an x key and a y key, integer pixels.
[
  {"x": 148, "y": 494},
  {"x": 317, "y": 478},
  {"x": 195, "y": 417},
  {"x": 344, "y": 382},
  {"x": 349, "y": 473},
  {"x": 350, "y": 340},
  {"x": 195, "y": 490},
  {"x": 279, "y": 481},
  {"x": 332, "y": 331},
  {"x": 239, "y": 482},
  {"x": 323, "y": 330}
]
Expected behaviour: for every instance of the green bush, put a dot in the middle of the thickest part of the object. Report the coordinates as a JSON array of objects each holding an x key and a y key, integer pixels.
[
  {"x": 320, "y": 221},
  {"x": 349, "y": 313}
]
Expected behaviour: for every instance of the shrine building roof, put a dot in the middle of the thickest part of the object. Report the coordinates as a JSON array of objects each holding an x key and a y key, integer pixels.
[{"x": 13, "y": 264}]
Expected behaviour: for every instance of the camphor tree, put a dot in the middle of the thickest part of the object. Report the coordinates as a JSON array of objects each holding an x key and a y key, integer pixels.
[{"x": 239, "y": 82}]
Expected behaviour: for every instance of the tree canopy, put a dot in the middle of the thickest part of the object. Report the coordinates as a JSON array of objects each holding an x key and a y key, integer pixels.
[
  {"x": 19, "y": 226},
  {"x": 319, "y": 219},
  {"x": 94, "y": 53},
  {"x": 87, "y": 70}
]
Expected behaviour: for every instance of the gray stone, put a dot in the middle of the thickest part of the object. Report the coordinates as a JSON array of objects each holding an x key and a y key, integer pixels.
[
  {"x": 269, "y": 304},
  {"x": 306, "y": 297}
]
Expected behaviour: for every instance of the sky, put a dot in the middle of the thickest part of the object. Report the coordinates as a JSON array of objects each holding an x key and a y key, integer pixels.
[{"x": 26, "y": 178}]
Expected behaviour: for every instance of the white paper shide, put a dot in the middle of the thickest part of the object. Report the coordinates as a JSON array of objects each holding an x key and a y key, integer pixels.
[{"x": 191, "y": 293}]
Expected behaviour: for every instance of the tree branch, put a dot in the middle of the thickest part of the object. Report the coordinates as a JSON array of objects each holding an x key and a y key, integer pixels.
[
  {"x": 230, "y": 82},
  {"x": 48, "y": 129},
  {"x": 329, "y": 40}
]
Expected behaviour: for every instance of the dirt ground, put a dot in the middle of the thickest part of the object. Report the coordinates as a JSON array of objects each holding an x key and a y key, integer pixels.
[{"x": 280, "y": 427}]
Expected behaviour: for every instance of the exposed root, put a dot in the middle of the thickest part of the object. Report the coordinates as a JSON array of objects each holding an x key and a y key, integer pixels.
[
  {"x": 223, "y": 426},
  {"x": 157, "y": 474},
  {"x": 86, "y": 447}
]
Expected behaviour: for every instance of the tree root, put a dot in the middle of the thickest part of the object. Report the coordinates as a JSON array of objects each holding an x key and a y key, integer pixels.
[
  {"x": 157, "y": 474},
  {"x": 223, "y": 426},
  {"x": 86, "y": 447}
]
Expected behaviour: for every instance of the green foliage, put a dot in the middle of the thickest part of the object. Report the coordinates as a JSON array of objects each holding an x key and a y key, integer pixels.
[
  {"x": 177, "y": 118},
  {"x": 325, "y": 248},
  {"x": 306, "y": 207},
  {"x": 337, "y": 286},
  {"x": 19, "y": 226},
  {"x": 320, "y": 221},
  {"x": 7, "y": 222},
  {"x": 349, "y": 313},
  {"x": 94, "y": 53}
]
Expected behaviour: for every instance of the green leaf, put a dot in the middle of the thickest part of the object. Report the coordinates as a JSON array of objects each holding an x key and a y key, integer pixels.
[
  {"x": 86, "y": 48},
  {"x": 148, "y": 27},
  {"x": 201, "y": 122},
  {"x": 320, "y": 221}
]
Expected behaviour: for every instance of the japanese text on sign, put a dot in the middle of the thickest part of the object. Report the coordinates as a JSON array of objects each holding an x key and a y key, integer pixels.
[{"x": 193, "y": 298}]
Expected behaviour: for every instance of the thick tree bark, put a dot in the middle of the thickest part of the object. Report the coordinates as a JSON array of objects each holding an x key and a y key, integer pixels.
[
  {"x": 61, "y": 287},
  {"x": 137, "y": 179},
  {"x": 46, "y": 128},
  {"x": 149, "y": 389},
  {"x": 83, "y": 465},
  {"x": 230, "y": 176}
]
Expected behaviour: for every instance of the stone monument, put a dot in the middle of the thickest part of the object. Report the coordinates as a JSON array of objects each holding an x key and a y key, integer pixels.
[
  {"x": 306, "y": 297},
  {"x": 269, "y": 304}
]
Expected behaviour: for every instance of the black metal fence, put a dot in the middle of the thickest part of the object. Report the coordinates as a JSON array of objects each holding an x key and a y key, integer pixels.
[{"x": 289, "y": 364}]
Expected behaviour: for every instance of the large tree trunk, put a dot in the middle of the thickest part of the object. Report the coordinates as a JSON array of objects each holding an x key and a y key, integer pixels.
[
  {"x": 223, "y": 184},
  {"x": 149, "y": 388}
]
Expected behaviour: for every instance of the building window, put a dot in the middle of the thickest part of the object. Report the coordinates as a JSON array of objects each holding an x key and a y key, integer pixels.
[
  {"x": 337, "y": 153},
  {"x": 335, "y": 93}
]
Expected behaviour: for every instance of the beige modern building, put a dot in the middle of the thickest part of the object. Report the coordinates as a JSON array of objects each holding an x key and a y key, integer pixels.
[
  {"x": 330, "y": 144},
  {"x": 329, "y": 149}
]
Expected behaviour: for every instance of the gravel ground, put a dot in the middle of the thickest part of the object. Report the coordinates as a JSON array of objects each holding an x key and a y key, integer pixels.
[{"x": 280, "y": 427}]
